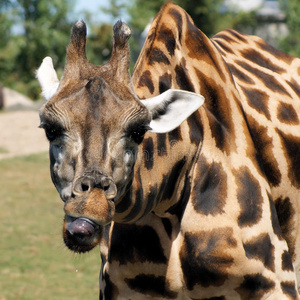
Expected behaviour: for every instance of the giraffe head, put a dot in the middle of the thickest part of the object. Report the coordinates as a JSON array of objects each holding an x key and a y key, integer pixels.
[{"x": 95, "y": 123}]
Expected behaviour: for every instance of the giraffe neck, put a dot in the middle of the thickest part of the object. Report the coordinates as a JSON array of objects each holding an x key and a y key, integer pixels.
[
  {"x": 164, "y": 159},
  {"x": 180, "y": 56}
]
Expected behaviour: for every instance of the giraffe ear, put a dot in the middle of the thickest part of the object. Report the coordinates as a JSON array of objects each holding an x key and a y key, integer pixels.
[
  {"x": 171, "y": 108},
  {"x": 47, "y": 78}
]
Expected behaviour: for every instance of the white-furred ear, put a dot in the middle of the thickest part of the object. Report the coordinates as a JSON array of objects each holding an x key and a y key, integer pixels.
[
  {"x": 171, "y": 108},
  {"x": 47, "y": 78}
]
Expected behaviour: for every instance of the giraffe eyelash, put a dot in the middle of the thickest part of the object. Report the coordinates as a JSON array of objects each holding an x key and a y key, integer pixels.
[{"x": 52, "y": 131}]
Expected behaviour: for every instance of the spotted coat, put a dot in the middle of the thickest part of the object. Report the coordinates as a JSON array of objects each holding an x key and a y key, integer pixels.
[{"x": 247, "y": 141}]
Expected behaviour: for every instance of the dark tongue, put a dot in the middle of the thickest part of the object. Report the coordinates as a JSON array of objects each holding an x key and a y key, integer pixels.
[{"x": 82, "y": 228}]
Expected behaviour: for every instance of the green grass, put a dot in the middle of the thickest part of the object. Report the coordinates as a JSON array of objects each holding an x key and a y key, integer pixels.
[
  {"x": 34, "y": 263},
  {"x": 3, "y": 150}
]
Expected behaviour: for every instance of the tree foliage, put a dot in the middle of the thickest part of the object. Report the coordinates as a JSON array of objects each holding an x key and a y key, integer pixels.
[
  {"x": 291, "y": 43},
  {"x": 43, "y": 29},
  {"x": 99, "y": 44},
  {"x": 205, "y": 13}
]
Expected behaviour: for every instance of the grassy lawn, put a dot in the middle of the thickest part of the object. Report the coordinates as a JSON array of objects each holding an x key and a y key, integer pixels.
[
  {"x": 3, "y": 150},
  {"x": 34, "y": 263}
]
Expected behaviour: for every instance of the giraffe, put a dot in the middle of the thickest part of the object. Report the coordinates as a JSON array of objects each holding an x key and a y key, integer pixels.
[{"x": 187, "y": 200}]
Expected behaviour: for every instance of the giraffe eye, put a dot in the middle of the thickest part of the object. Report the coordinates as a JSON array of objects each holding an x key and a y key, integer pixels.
[
  {"x": 137, "y": 135},
  {"x": 52, "y": 133}
]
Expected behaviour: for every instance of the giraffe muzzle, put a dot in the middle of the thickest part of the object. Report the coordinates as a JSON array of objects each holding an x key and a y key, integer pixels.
[
  {"x": 95, "y": 179},
  {"x": 85, "y": 216},
  {"x": 94, "y": 206},
  {"x": 89, "y": 209}
]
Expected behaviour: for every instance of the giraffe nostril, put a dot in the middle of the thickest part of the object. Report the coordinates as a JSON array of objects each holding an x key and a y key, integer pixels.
[
  {"x": 84, "y": 187},
  {"x": 87, "y": 183},
  {"x": 105, "y": 182},
  {"x": 110, "y": 191}
]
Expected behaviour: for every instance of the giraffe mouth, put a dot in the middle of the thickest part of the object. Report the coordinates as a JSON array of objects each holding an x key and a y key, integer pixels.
[
  {"x": 85, "y": 216},
  {"x": 81, "y": 234}
]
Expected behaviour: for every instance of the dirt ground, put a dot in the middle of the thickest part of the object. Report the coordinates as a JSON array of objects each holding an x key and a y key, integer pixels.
[
  {"x": 19, "y": 121},
  {"x": 20, "y": 135}
]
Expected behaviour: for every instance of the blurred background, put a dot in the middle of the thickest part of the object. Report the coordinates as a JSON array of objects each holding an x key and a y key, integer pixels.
[
  {"x": 34, "y": 263},
  {"x": 33, "y": 29}
]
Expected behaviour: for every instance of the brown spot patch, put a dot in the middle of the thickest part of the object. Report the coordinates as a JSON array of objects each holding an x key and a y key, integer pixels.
[
  {"x": 238, "y": 74},
  {"x": 264, "y": 146},
  {"x": 151, "y": 198},
  {"x": 131, "y": 243},
  {"x": 166, "y": 35},
  {"x": 286, "y": 212},
  {"x": 295, "y": 85},
  {"x": 286, "y": 263},
  {"x": 288, "y": 288},
  {"x": 161, "y": 144},
  {"x": 275, "y": 52},
  {"x": 204, "y": 257},
  {"x": 178, "y": 21},
  {"x": 258, "y": 100},
  {"x": 219, "y": 114},
  {"x": 200, "y": 47},
  {"x": 223, "y": 35},
  {"x": 238, "y": 35},
  {"x": 110, "y": 291},
  {"x": 287, "y": 114},
  {"x": 148, "y": 153},
  {"x": 179, "y": 208},
  {"x": 154, "y": 286},
  {"x": 165, "y": 82},
  {"x": 174, "y": 136},
  {"x": 182, "y": 77},
  {"x": 258, "y": 58},
  {"x": 261, "y": 248},
  {"x": 274, "y": 219},
  {"x": 255, "y": 286},
  {"x": 171, "y": 180},
  {"x": 269, "y": 81},
  {"x": 136, "y": 198},
  {"x": 223, "y": 46},
  {"x": 157, "y": 56},
  {"x": 291, "y": 147},
  {"x": 195, "y": 46},
  {"x": 249, "y": 197},
  {"x": 210, "y": 190},
  {"x": 168, "y": 226},
  {"x": 196, "y": 129},
  {"x": 219, "y": 132},
  {"x": 146, "y": 80}
]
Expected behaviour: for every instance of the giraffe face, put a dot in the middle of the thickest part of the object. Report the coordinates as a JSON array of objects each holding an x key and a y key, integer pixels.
[
  {"x": 94, "y": 137},
  {"x": 95, "y": 123}
]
